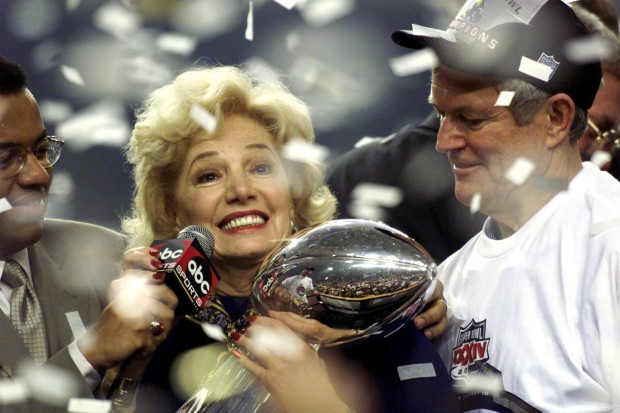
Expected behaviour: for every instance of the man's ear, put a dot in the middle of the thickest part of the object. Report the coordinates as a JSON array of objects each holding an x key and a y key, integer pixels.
[{"x": 560, "y": 114}]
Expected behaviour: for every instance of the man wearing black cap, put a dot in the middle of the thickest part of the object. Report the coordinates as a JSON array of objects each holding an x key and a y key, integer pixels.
[{"x": 535, "y": 296}]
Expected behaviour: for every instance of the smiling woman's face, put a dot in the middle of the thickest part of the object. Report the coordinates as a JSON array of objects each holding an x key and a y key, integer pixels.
[{"x": 233, "y": 183}]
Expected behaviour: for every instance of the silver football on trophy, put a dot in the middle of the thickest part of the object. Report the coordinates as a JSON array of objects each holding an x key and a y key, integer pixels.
[{"x": 358, "y": 276}]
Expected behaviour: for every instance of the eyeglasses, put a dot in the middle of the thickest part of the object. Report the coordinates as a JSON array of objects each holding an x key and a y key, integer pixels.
[
  {"x": 602, "y": 138},
  {"x": 12, "y": 159}
]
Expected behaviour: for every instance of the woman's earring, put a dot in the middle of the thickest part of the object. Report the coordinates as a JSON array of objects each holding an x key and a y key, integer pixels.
[{"x": 293, "y": 228}]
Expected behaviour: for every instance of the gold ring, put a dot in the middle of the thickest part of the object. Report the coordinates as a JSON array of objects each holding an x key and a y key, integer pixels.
[
  {"x": 156, "y": 328},
  {"x": 443, "y": 301}
]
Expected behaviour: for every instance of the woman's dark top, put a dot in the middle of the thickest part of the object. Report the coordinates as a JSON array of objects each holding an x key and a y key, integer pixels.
[{"x": 403, "y": 369}]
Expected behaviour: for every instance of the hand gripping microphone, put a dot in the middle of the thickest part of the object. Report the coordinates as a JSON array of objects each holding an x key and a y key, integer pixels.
[{"x": 188, "y": 267}]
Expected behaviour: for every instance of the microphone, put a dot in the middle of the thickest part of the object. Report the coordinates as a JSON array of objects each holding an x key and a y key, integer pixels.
[
  {"x": 188, "y": 267},
  {"x": 190, "y": 274}
]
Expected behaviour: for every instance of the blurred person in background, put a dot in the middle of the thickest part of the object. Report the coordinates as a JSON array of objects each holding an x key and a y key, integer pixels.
[
  {"x": 603, "y": 133},
  {"x": 55, "y": 274},
  {"x": 234, "y": 181},
  {"x": 535, "y": 298}
]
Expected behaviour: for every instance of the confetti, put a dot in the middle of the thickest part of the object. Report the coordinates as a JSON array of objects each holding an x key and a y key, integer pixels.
[
  {"x": 289, "y": 4},
  {"x": 176, "y": 43},
  {"x": 375, "y": 194},
  {"x": 366, "y": 140},
  {"x": 535, "y": 69},
  {"x": 5, "y": 205},
  {"x": 590, "y": 49},
  {"x": 55, "y": 111},
  {"x": 414, "y": 63},
  {"x": 292, "y": 41},
  {"x": 116, "y": 20},
  {"x": 362, "y": 211},
  {"x": 430, "y": 32},
  {"x": 260, "y": 70},
  {"x": 504, "y": 98},
  {"x": 214, "y": 331},
  {"x": 49, "y": 384},
  {"x": 202, "y": 117},
  {"x": 300, "y": 150},
  {"x": 72, "y": 5},
  {"x": 600, "y": 158},
  {"x": 13, "y": 391},
  {"x": 72, "y": 75},
  {"x": 322, "y": 12},
  {"x": 520, "y": 171},
  {"x": 103, "y": 123},
  {"x": 77, "y": 405},
  {"x": 249, "y": 31},
  {"x": 474, "y": 205},
  {"x": 483, "y": 383}
]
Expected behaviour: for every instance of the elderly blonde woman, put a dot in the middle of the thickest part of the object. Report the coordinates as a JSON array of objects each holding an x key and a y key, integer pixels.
[{"x": 233, "y": 181}]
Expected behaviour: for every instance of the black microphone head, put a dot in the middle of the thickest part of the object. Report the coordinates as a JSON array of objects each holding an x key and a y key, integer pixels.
[{"x": 202, "y": 235}]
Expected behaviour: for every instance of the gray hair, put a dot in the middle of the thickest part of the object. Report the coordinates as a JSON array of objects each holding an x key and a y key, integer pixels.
[{"x": 528, "y": 100}]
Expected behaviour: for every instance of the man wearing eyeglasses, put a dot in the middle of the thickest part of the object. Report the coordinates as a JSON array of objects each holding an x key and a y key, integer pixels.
[{"x": 55, "y": 274}]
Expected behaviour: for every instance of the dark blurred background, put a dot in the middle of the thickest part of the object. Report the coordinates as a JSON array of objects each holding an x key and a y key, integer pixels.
[{"x": 91, "y": 62}]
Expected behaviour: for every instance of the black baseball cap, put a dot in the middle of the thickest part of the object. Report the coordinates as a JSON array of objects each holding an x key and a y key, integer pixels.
[{"x": 506, "y": 39}]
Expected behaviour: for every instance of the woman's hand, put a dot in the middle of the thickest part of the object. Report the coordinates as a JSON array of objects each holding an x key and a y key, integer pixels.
[
  {"x": 434, "y": 320},
  {"x": 290, "y": 368}
]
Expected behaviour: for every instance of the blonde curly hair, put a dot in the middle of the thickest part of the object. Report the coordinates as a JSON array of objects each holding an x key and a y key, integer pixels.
[{"x": 164, "y": 129}]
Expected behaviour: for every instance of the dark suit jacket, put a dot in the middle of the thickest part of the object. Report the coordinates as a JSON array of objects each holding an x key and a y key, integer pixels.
[{"x": 72, "y": 266}]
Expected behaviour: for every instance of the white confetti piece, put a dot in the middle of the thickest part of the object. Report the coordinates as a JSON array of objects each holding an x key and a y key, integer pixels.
[
  {"x": 5, "y": 205},
  {"x": 535, "y": 69},
  {"x": 103, "y": 123},
  {"x": 289, "y": 4},
  {"x": 77, "y": 405},
  {"x": 71, "y": 5},
  {"x": 249, "y": 30},
  {"x": 116, "y": 20},
  {"x": 176, "y": 43},
  {"x": 483, "y": 383},
  {"x": 214, "y": 331},
  {"x": 13, "y": 391},
  {"x": 300, "y": 150},
  {"x": 430, "y": 32},
  {"x": 474, "y": 205},
  {"x": 260, "y": 70},
  {"x": 293, "y": 41},
  {"x": 589, "y": 49},
  {"x": 49, "y": 384},
  {"x": 278, "y": 343},
  {"x": 375, "y": 194},
  {"x": 600, "y": 158},
  {"x": 72, "y": 75},
  {"x": 203, "y": 118},
  {"x": 366, "y": 140},
  {"x": 504, "y": 98},
  {"x": 322, "y": 12},
  {"x": 55, "y": 111},
  {"x": 363, "y": 211},
  {"x": 414, "y": 63},
  {"x": 520, "y": 171}
]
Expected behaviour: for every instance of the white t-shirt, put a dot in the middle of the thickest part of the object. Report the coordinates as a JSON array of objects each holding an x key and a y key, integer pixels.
[
  {"x": 541, "y": 307},
  {"x": 298, "y": 286}
]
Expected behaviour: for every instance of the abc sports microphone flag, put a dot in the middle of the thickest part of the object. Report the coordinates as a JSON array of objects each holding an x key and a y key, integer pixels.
[{"x": 188, "y": 268}]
